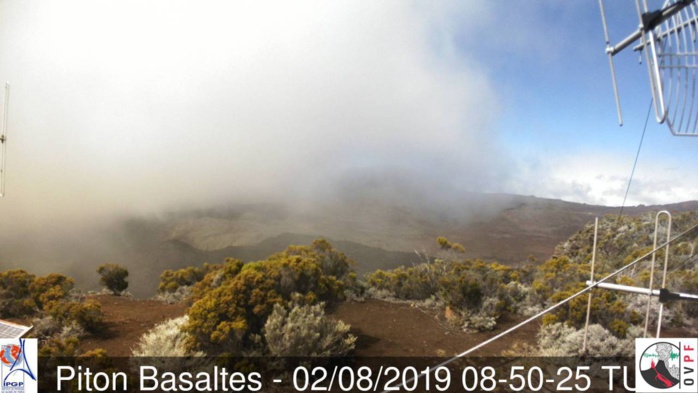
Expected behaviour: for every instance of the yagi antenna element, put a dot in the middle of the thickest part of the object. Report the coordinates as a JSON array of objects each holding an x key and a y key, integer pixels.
[
  {"x": 668, "y": 38},
  {"x": 3, "y": 139}
]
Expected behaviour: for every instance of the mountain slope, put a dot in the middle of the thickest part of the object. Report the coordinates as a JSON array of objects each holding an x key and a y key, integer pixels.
[
  {"x": 377, "y": 231},
  {"x": 507, "y": 228}
]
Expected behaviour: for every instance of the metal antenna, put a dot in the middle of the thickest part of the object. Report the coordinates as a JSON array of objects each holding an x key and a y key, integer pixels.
[
  {"x": 668, "y": 38},
  {"x": 666, "y": 262},
  {"x": 3, "y": 139},
  {"x": 593, "y": 263},
  {"x": 654, "y": 260},
  {"x": 610, "y": 63}
]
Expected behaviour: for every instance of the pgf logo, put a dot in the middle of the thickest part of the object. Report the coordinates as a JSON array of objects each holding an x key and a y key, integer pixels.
[
  {"x": 18, "y": 366},
  {"x": 666, "y": 365}
]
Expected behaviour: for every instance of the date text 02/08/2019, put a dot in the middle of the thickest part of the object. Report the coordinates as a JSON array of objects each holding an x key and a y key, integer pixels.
[
  {"x": 346, "y": 379},
  {"x": 441, "y": 378}
]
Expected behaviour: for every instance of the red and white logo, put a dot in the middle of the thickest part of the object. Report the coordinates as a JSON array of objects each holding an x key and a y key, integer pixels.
[{"x": 666, "y": 365}]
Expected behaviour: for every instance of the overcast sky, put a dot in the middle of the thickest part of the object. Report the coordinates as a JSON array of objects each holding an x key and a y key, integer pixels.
[{"x": 123, "y": 106}]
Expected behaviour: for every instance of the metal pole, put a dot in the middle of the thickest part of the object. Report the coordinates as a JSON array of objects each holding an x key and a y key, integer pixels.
[
  {"x": 663, "y": 294},
  {"x": 610, "y": 63},
  {"x": 654, "y": 258},
  {"x": 625, "y": 288},
  {"x": 593, "y": 262},
  {"x": 666, "y": 262}
]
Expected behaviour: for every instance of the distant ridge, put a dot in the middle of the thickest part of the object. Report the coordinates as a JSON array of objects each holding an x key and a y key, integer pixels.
[
  {"x": 378, "y": 232},
  {"x": 503, "y": 227}
]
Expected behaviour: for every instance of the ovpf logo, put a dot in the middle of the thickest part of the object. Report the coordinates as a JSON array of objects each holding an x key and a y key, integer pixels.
[
  {"x": 666, "y": 365},
  {"x": 18, "y": 366}
]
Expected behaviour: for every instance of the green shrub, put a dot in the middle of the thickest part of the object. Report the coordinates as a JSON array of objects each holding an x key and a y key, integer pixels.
[
  {"x": 446, "y": 245},
  {"x": 58, "y": 348},
  {"x": 172, "y": 280},
  {"x": 333, "y": 263},
  {"x": 461, "y": 291},
  {"x": 414, "y": 283},
  {"x": 462, "y": 285},
  {"x": 457, "y": 247},
  {"x": 232, "y": 304},
  {"x": 15, "y": 294},
  {"x": 560, "y": 278},
  {"x": 457, "y": 284},
  {"x": 215, "y": 276},
  {"x": 559, "y": 273},
  {"x": 88, "y": 314},
  {"x": 99, "y": 353},
  {"x": 223, "y": 320},
  {"x": 113, "y": 277},
  {"x": 684, "y": 281},
  {"x": 443, "y": 243},
  {"x": 50, "y": 289}
]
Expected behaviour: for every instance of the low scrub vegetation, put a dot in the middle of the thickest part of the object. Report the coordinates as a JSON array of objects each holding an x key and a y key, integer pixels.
[
  {"x": 303, "y": 330},
  {"x": 16, "y": 298},
  {"x": 113, "y": 277},
  {"x": 176, "y": 285},
  {"x": 60, "y": 315},
  {"x": 562, "y": 340},
  {"x": 166, "y": 339},
  {"x": 24, "y": 295},
  {"x": 86, "y": 314},
  {"x": 475, "y": 292},
  {"x": 232, "y": 303}
]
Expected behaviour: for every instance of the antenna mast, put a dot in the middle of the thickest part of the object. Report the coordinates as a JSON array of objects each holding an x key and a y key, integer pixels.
[{"x": 668, "y": 38}]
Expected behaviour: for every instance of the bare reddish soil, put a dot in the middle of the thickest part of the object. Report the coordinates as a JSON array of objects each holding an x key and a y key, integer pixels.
[
  {"x": 383, "y": 328},
  {"x": 125, "y": 322},
  {"x": 399, "y": 329}
]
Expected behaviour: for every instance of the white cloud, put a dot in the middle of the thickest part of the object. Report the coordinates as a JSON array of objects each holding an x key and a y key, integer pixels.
[
  {"x": 131, "y": 105},
  {"x": 121, "y": 106},
  {"x": 602, "y": 179}
]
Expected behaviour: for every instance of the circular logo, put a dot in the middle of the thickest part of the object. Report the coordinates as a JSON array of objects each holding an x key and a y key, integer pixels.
[
  {"x": 659, "y": 365},
  {"x": 9, "y": 354}
]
